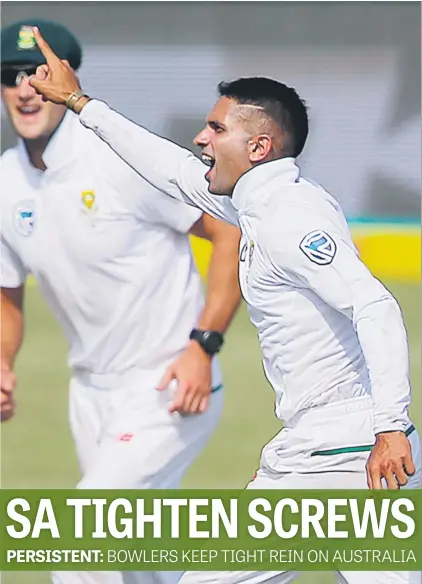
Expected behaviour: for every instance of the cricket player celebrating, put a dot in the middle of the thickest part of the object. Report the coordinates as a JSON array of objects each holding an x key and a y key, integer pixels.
[
  {"x": 113, "y": 260},
  {"x": 333, "y": 341}
]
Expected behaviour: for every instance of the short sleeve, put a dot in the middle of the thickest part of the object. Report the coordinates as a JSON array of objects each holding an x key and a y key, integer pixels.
[
  {"x": 12, "y": 272},
  {"x": 153, "y": 206}
]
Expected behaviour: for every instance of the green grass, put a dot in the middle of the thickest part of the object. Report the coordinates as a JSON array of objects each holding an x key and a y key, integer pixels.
[{"x": 36, "y": 446}]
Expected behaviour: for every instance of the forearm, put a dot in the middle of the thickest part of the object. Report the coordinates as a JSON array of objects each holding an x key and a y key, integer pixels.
[
  {"x": 11, "y": 331},
  {"x": 167, "y": 166},
  {"x": 156, "y": 159},
  {"x": 383, "y": 339},
  {"x": 223, "y": 292},
  {"x": 349, "y": 287}
]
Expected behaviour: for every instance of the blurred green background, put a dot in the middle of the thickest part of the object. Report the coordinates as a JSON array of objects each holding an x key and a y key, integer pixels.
[{"x": 36, "y": 446}]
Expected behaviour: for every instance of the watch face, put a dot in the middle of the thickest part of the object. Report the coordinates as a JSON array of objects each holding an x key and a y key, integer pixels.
[{"x": 212, "y": 341}]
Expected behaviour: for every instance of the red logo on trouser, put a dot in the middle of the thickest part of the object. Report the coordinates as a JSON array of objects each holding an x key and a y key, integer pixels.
[{"x": 125, "y": 437}]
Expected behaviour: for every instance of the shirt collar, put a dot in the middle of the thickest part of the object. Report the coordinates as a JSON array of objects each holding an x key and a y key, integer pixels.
[
  {"x": 246, "y": 192},
  {"x": 59, "y": 149}
]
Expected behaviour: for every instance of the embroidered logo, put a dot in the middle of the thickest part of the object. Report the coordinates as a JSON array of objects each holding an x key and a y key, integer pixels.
[
  {"x": 319, "y": 247},
  {"x": 25, "y": 217},
  {"x": 26, "y": 38},
  {"x": 88, "y": 199}
]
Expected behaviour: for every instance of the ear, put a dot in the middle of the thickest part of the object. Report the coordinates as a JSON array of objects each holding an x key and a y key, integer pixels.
[{"x": 259, "y": 148}]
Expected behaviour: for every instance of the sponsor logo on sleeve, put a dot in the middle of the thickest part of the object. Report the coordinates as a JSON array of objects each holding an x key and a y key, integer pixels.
[{"x": 319, "y": 247}]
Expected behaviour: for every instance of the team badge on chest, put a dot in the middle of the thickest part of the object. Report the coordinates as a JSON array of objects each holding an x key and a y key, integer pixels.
[
  {"x": 25, "y": 217},
  {"x": 88, "y": 201},
  {"x": 89, "y": 206}
]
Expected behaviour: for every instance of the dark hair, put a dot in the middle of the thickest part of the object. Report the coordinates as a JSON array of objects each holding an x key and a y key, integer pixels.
[{"x": 280, "y": 102}]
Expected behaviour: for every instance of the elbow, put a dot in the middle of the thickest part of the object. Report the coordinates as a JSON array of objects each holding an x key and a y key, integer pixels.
[
  {"x": 384, "y": 309},
  {"x": 229, "y": 242},
  {"x": 217, "y": 232},
  {"x": 226, "y": 236}
]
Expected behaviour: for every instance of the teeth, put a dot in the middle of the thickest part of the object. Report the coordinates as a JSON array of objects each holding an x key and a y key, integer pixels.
[
  {"x": 207, "y": 160},
  {"x": 28, "y": 110}
]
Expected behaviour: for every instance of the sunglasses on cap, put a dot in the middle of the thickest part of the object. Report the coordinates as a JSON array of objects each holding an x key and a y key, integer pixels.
[{"x": 12, "y": 76}]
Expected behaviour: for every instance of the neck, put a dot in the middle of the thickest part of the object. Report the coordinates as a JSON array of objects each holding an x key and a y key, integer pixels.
[{"x": 35, "y": 150}]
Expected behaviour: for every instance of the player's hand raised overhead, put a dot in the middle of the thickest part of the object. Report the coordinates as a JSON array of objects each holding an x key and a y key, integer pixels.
[
  {"x": 192, "y": 371},
  {"x": 56, "y": 81}
]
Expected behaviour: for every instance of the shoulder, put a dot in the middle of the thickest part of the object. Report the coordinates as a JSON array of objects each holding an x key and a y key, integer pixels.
[
  {"x": 9, "y": 160},
  {"x": 303, "y": 220},
  {"x": 11, "y": 176}
]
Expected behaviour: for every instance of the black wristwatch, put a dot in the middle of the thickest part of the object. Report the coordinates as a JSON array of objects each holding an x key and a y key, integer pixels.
[{"x": 210, "y": 341}]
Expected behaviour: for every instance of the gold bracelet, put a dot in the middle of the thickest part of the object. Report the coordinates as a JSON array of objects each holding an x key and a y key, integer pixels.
[
  {"x": 73, "y": 99},
  {"x": 76, "y": 108}
]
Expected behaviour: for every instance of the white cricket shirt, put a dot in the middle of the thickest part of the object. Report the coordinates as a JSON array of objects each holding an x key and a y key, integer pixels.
[
  {"x": 329, "y": 331},
  {"x": 110, "y": 253}
]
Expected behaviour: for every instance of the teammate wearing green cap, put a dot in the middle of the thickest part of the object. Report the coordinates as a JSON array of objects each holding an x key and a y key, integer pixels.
[
  {"x": 114, "y": 263},
  {"x": 332, "y": 337},
  {"x": 34, "y": 120}
]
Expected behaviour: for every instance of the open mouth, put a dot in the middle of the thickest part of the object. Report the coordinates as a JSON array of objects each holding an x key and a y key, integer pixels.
[
  {"x": 28, "y": 110},
  {"x": 208, "y": 160}
]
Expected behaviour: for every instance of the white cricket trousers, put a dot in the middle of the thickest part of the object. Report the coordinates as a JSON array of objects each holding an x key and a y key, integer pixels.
[
  {"x": 126, "y": 439},
  {"x": 319, "y": 451}
]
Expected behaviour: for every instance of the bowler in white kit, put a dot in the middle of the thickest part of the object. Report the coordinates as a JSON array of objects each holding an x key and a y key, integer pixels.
[
  {"x": 112, "y": 258},
  {"x": 333, "y": 341}
]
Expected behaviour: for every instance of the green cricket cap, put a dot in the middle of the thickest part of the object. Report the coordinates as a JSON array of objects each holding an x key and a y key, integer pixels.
[{"x": 18, "y": 45}]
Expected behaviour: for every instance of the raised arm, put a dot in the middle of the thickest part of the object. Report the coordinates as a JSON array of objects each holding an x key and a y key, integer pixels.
[{"x": 168, "y": 167}]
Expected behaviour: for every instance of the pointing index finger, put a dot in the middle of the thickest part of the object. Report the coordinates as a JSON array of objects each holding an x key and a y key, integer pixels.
[{"x": 45, "y": 48}]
